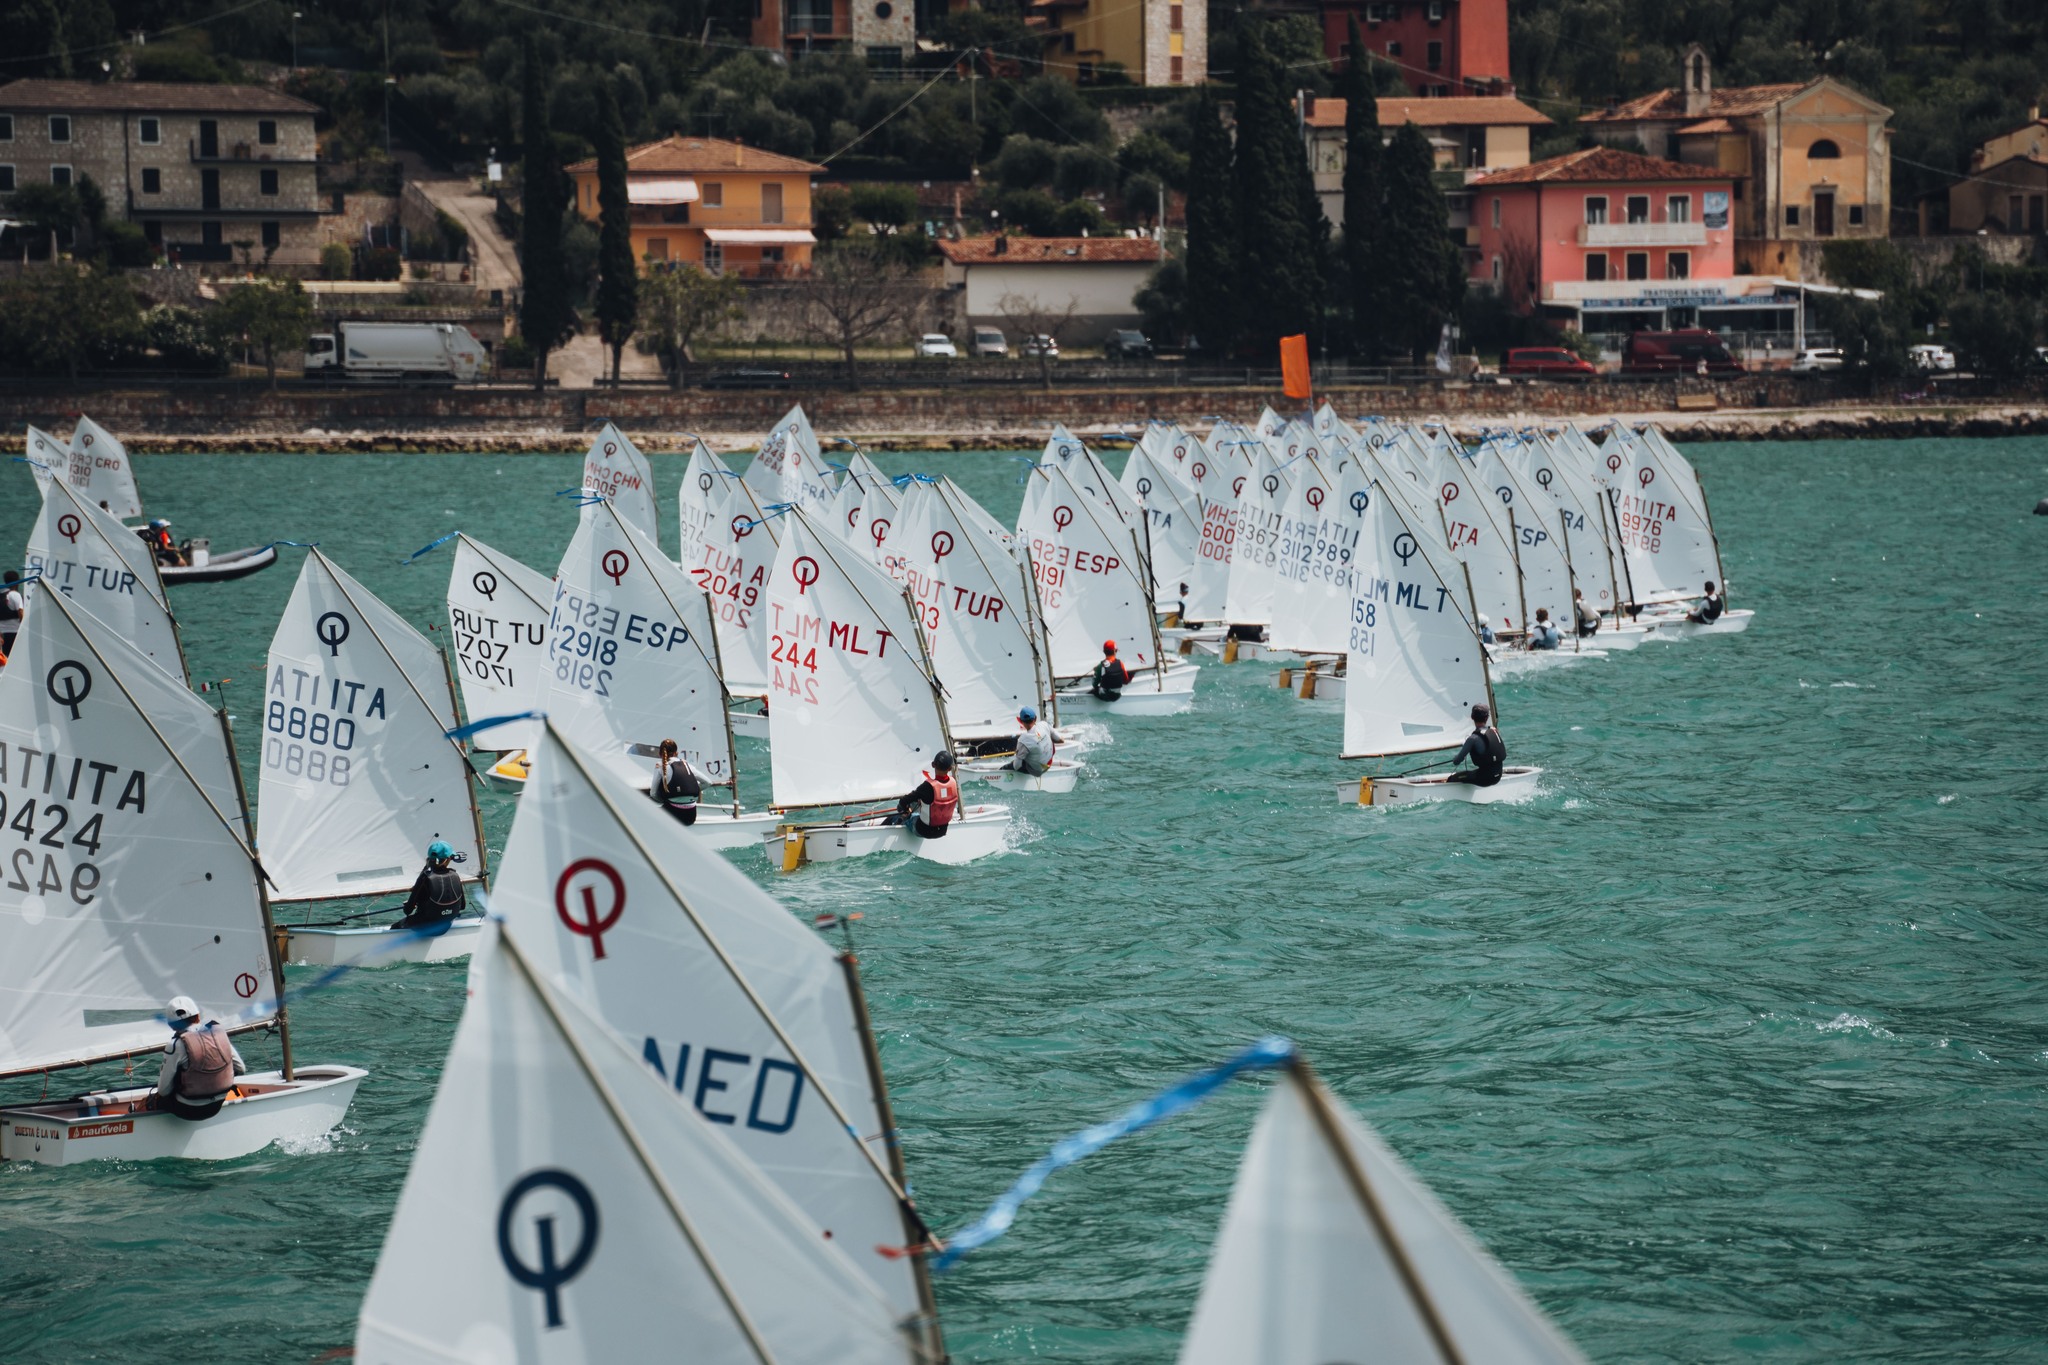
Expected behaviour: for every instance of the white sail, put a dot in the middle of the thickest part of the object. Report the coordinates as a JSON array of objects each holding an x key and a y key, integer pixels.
[
  {"x": 1577, "y": 514},
  {"x": 1532, "y": 528},
  {"x": 1255, "y": 554},
  {"x": 1415, "y": 667},
  {"x": 971, "y": 606},
  {"x": 99, "y": 469},
  {"x": 137, "y": 884},
  {"x": 860, "y": 513},
  {"x": 498, "y": 621},
  {"x": 1306, "y": 1271},
  {"x": 788, "y": 467},
  {"x": 698, "y": 502},
  {"x": 563, "y": 1205},
  {"x": 1061, "y": 446},
  {"x": 860, "y": 465},
  {"x": 90, "y": 557},
  {"x": 1217, "y": 469},
  {"x": 1173, "y": 522},
  {"x": 1091, "y": 586},
  {"x": 48, "y": 457},
  {"x": 614, "y": 468},
  {"x": 1475, "y": 527},
  {"x": 1320, "y": 548},
  {"x": 1665, "y": 541},
  {"x": 738, "y": 548},
  {"x": 630, "y": 655},
  {"x": 357, "y": 775},
  {"x": 853, "y": 712},
  {"x": 743, "y": 1010}
]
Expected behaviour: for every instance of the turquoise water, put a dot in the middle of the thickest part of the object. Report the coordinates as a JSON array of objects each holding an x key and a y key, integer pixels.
[{"x": 1731, "y": 1046}]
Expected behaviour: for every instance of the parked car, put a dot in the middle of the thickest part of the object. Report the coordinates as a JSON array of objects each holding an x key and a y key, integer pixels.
[
  {"x": 1931, "y": 357},
  {"x": 1128, "y": 345},
  {"x": 1821, "y": 360},
  {"x": 747, "y": 377},
  {"x": 1692, "y": 351},
  {"x": 989, "y": 341},
  {"x": 1039, "y": 345},
  {"x": 1547, "y": 362},
  {"x": 936, "y": 345}
]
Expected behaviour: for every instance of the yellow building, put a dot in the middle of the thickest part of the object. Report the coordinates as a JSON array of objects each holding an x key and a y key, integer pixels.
[
  {"x": 2007, "y": 188},
  {"x": 728, "y": 207},
  {"x": 1152, "y": 42},
  {"x": 1811, "y": 163}
]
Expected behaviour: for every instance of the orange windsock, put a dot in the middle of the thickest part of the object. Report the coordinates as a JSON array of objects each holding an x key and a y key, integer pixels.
[{"x": 1294, "y": 375}]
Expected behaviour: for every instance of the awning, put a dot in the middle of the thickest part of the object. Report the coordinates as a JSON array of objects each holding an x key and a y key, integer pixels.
[
  {"x": 762, "y": 236},
  {"x": 661, "y": 192}
]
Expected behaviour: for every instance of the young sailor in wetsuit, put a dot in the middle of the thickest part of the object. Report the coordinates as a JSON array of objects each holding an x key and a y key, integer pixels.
[
  {"x": 1487, "y": 750},
  {"x": 1544, "y": 635},
  {"x": 1485, "y": 629},
  {"x": 1588, "y": 619},
  {"x": 200, "y": 1064},
  {"x": 677, "y": 786},
  {"x": 937, "y": 800},
  {"x": 437, "y": 894},
  {"x": 1034, "y": 744},
  {"x": 1710, "y": 608},
  {"x": 1111, "y": 677}
]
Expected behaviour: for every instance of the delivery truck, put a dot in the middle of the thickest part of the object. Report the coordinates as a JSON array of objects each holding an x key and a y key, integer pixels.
[{"x": 396, "y": 352}]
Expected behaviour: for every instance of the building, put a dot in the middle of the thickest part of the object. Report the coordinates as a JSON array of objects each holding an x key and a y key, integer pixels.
[
  {"x": 2007, "y": 188},
  {"x": 883, "y": 32},
  {"x": 723, "y": 205},
  {"x": 1471, "y": 135},
  {"x": 999, "y": 279},
  {"x": 1147, "y": 42},
  {"x": 1440, "y": 47},
  {"x": 1811, "y": 163},
  {"x": 202, "y": 168}
]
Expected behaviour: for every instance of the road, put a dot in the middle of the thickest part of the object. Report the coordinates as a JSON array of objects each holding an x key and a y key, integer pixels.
[{"x": 496, "y": 260}]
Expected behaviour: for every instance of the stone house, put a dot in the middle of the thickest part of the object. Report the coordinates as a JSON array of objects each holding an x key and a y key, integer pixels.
[
  {"x": 1151, "y": 42},
  {"x": 999, "y": 279},
  {"x": 2007, "y": 188}
]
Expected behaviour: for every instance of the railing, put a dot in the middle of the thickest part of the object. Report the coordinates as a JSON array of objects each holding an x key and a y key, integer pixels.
[{"x": 1642, "y": 234}]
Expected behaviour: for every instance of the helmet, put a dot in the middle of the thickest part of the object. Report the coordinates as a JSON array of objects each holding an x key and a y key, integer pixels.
[
  {"x": 1027, "y": 715},
  {"x": 1109, "y": 646},
  {"x": 1481, "y": 714},
  {"x": 155, "y": 522},
  {"x": 942, "y": 761},
  {"x": 182, "y": 1009},
  {"x": 439, "y": 851}
]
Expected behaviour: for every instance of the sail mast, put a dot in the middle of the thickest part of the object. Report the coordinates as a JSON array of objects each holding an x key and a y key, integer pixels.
[{"x": 272, "y": 938}]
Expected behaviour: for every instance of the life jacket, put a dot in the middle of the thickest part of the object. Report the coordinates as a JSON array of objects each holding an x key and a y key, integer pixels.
[
  {"x": 1494, "y": 759},
  {"x": 209, "y": 1069},
  {"x": 444, "y": 887},
  {"x": 1711, "y": 609},
  {"x": 679, "y": 784},
  {"x": 9, "y": 612},
  {"x": 945, "y": 800},
  {"x": 1114, "y": 674}
]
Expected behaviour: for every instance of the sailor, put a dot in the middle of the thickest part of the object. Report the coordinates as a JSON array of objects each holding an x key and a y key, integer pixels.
[
  {"x": 200, "y": 1064},
  {"x": 1111, "y": 677},
  {"x": 1485, "y": 629},
  {"x": 1544, "y": 635},
  {"x": 1034, "y": 745},
  {"x": 12, "y": 606},
  {"x": 437, "y": 893},
  {"x": 1180, "y": 608},
  {"x": 1589, "y": 620},
  {"x": 1710, "y": 608},
  {"x": 677, "y": 786},
  {"x": 157, "y": 535},
  {"x": 937, "y": 800},
  {"x": 1487, "y": 750}
]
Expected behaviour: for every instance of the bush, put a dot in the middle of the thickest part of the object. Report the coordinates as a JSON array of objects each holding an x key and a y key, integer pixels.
[
  {"x": 515, "y": 354},
  {"x": 337, "y": 262},
  {"x": 128, "y": 246},
  {"x": 1078, "y": 219},
  {"x": 379, "y": 263},
  {"x": 180, "y": 338},
  {"x": 454, "y": 236},
  {"x": 177, "y": 63}
]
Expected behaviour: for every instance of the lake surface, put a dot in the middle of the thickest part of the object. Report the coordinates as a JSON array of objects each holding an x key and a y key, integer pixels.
[{"x": 1732, "y": 1045}]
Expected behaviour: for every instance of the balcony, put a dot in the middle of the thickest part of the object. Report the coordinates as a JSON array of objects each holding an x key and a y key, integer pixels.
[{"x": 1642, "y": 234}]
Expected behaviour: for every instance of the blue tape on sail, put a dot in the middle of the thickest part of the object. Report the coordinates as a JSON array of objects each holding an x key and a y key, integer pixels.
[
  {"x": 263, "y": 1009},
  {"x": 1260, "y": 1056},
  {"x": 477, "y": 727},
  {"x": 294, "y": 544},
  {"x": 769, "y": 513},
  {"x": 429, "y": 549},
  {"x": 47, "y": 469}
]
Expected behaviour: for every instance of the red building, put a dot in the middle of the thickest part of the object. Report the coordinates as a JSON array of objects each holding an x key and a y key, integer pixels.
[{"x": 1440, "y": 47}]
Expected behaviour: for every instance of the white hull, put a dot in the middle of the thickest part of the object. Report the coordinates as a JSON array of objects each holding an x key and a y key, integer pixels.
[
  {"x": 1061, "y": 777},
  {"x": 1148, "y": 694},
  {"x": 508, "y": 774},
  {"x": 723, "y": 829},
  {"x": 1246, "y": 651},
  {"x": 749, "y": 724},
  {"x": 272, "y": 1110},
  {"x": 1321, "y": 684},
  {"x": 339, "y": 946},
  {"x": 1614, "y": 638},
  {"x": 1173, "y": 637},
  {"x": 1731, "y": 623},
  {"x": 976, "y": 832},
  {"x": 1510, "y": 661},
  {"x": 1515, "y": 785}
]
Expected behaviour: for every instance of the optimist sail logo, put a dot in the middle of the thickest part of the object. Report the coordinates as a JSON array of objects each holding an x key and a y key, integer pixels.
[
  {"x": 68, "y": 526},
  {"x": 615, "y": 564},
  {"x": 805, "y": 571},
  {"x": 549, "y": 1274},
  {"x": 942, "y": 544},
  {"x": 1062, "y": 516},
  {"x": 578, "y": 889}
]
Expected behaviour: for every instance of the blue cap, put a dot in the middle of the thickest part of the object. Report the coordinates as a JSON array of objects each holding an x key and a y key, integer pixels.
[
  {"x": 439, "y": 851},
  {"x": 1027, "y": 715}
]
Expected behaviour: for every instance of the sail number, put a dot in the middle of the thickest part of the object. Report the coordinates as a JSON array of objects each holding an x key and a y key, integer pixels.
[
  {"x": 46, "y": 826},
  {"x": 285, "y": 725},
  {"x": 1643, "y": 533}
]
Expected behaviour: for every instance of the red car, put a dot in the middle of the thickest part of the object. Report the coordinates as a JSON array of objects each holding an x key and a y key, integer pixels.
[{"x": 1547, "y": 362}]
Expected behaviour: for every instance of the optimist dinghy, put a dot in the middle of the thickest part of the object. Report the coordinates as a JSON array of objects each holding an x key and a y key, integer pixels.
[
  {"x": 152, "y": 893},
  {"x": 80, "y": 551},
  {"x": 498, "y": 619},
  {"x": 1059, "y": 778}
]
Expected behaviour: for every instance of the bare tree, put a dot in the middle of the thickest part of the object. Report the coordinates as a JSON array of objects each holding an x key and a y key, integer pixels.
[
  {"x": 1520, "y": 261},
  {"x": 1041, "y": 322},
  {"x": 855, "y": 293}
]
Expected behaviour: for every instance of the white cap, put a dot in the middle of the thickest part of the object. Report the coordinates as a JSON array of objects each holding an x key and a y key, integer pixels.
[
  {"x": 1484, "y": 619},
  {"x": 183, "y": 1007}
]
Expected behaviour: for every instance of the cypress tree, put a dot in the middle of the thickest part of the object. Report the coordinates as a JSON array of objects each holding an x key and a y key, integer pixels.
[
  {"x": 1212, "y": 231},
  {"x": 1362, "y": 196},
  {"x": 547, "y": 316},
  {"x": 618, "y": 287},
  {"x": 1279, "y": 262},
  {"x": 1414, "y": 250}
]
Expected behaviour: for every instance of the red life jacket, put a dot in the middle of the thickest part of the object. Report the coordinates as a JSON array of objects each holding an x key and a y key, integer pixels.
[
  {"x": 945, "y": 800},
  {"x": 209, "y": 1068}
]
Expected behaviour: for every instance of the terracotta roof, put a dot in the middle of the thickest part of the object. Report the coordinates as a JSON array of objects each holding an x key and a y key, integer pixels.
[
  {"x": 1734, "y": 102},
  {"x": 1712, "y": 125},
  {"x": 150, "y": 97},
  {"x": 679, "y": 155},
  {"x": 1600, "y": 165},
  {"x": 1052, "y": 251},
  {"x": 1461, "y": 111}
]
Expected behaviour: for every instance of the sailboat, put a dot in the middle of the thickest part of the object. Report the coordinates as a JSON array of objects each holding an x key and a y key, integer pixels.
[
  {"x": 1580, "y": 515},
  {"x": 140, "y": 885},
  {"x": 790, "y": 468},
  {"x": 736, "y": 1008},
  {"x": 1415, "y": 667},
  {"x": 498, "y": 622},
  {"x": 698, "y": 502},
  {"x": 1320, "y": 549},
  {"x": 1667, "y": 539},
  {"x": 1173, "y": 522},
  {"x": 736, "y": 550},
  {"x": 357, "y": 775},
  {"x": 84, "y": 553},
  {"x": 1333, "y": 1250},
  {"x": 855, "y": 708},
  {"x": 614, "y": 468},
  {"x": 633, "y": 660}
]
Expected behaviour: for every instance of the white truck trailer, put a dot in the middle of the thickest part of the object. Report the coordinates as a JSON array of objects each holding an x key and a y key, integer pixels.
[{"x": 395, "y": 352}]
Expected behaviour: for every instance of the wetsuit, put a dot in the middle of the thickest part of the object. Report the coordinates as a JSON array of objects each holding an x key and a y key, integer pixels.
[
  {"x": 1488, "y": 754},
  {"x": 437, "y": 895},
  {"x": 1589, "y": 620}
]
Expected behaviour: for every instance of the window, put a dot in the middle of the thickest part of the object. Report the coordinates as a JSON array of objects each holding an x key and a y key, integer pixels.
[
  {"x": 772, "y": 254},
  {"x": 1173, "y": 18},
  {"x": 657, "y": 248},
  {"x": 1638, "y": 265},
  {"x": 1791, "y": 215},
  {"x": 1638, "y": 208},
  {"x": 771, "y": 202},
  {"x": 1823, "y": 150},
  {"x": 1596, "y": 267},
  {"x": 1435, "y": 56},
  {"x": 1176, "y": 71},
  {"x": 1436, "y": 11},
  {"x": 1496, "y": 271},
  {"x": 149, "y": 131},
  {"x": 711, "y": 194},
  {"x": 266, "y": 131},
  {"x": 60, "y": 175},
  {"x": 6, "y": 127},
  {"x": 60, "y": 128},
  {"x": 273, "y": 236},
  {"x": 1678, "y": 265},
  {"x": 1856, "y": 213},
  {"x": 1596, "y": 209},
  {"x": 267, "y": 181},
  {"x": 1496, "y": 210},
  {"x": 1394, "y": 50},
  {"x": 1678, "y": 209},
  {"x": 152, "y": 180},
  {"x": 714, "y": 258},
  {"x": 6, "y": 179}
]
